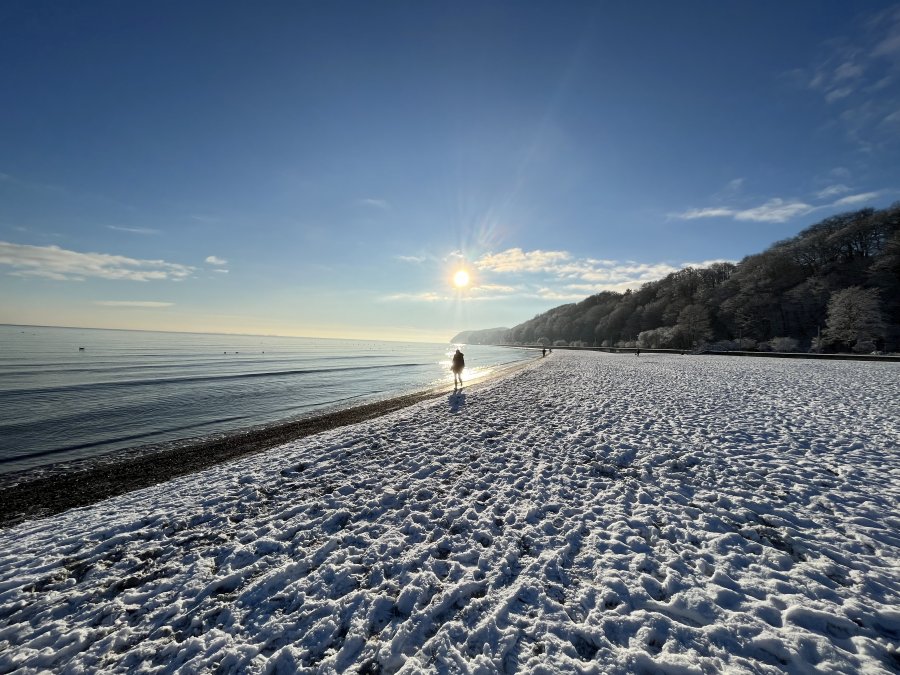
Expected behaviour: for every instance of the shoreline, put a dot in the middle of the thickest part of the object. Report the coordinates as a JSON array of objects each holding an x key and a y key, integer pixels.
[
  {"x": 48, "y": 495},
  {"x": 587, "y": 512},
  {"x": 836, "y": 356}
]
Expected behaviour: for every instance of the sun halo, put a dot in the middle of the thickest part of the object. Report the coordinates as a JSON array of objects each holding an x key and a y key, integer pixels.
[{"x": 461, "y": 279}]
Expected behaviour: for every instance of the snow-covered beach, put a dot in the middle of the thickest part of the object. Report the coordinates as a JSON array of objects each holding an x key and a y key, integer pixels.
[{"x": 590, "y": 513}]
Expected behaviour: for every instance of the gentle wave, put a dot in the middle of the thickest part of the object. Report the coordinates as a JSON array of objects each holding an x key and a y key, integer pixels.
[
  {"x": 184, "y": 380},
  {"x": 130, "y": 390}
]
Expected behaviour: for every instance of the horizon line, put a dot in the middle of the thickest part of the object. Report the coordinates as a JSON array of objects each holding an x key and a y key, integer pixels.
[{"x": 190, "y": 332}]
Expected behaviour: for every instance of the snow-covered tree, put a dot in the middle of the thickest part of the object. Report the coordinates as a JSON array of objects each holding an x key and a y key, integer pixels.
[
  {"x": 784, "y": 344},
  {"x": 854, "y": 317},
  {"x": 656, "y": 338}
]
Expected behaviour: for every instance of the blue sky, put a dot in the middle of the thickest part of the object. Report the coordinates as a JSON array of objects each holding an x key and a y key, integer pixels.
[{"x": 323, "y": 169}]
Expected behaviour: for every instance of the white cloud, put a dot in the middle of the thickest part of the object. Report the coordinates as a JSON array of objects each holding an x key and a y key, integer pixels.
[
  {"x": 220, "y": 271},
  {"x": 214, "y": 260},
  {"x": 710, "y": 212},
  {"x": 494, "y": 288},
  {"x": 840, "y": 172},
  {"x": 517, "y": 260},
  {"x": 411, "y": 258},
  {"x": 377, "y": 203},
  {"x": 428, "y": 296},
  {"x": 731, "y": 190},
  {"x": 134, "y": 230},
  {"x": 833, "y": 191},
  {"x": 546, "y": 293},
  {"x": 889, "y": 45},
  {"x": 856, "y": 199},
  {"x": 548, "y": 275},
  {"x": 847, "y": 71},
  {"x": 133, "y": 303},
  {"x": 775, "y": 211},
  {"x": 53, "y": 262},
  {"x": 576, "y": 274},
  {"x": 479, "y": 293},
  {"x": 779, "y": 210},
  {"x": 838, "y": 93},
  {"x": 855, "y": 74}
]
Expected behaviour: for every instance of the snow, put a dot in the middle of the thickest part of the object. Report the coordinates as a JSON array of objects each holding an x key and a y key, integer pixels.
[{"x": 593, "y": 513}]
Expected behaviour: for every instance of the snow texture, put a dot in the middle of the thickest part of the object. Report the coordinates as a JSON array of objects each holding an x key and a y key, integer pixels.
[{"x": 591, "y": 513}]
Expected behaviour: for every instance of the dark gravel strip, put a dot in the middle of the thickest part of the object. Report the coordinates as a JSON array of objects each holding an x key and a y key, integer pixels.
[
  {"x": 53, "y": 494},
  {"x": 45, "y": 496}
]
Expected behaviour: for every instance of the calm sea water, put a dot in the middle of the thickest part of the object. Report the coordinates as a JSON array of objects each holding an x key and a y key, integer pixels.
[{"x": 134, "y": 388}]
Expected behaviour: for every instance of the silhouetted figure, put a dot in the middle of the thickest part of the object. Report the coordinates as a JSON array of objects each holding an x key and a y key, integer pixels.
[
  {"x": 459, "y": 362},
  {"x": 637, "y": 352},
  {"x": 543, "y": 352}
]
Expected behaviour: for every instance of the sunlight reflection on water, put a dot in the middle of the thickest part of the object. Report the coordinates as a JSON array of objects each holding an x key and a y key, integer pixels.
[{"x": 131, "y": 388}]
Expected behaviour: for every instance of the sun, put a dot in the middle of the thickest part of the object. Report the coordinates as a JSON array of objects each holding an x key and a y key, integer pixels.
[{"x": 461, "y": 279}]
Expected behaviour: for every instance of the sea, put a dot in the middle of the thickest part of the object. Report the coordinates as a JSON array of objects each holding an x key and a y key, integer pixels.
[{"x": 72, "y": 394}]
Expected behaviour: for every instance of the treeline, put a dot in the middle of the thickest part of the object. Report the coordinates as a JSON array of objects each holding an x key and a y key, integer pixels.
[{"x": 833, "y": 287}]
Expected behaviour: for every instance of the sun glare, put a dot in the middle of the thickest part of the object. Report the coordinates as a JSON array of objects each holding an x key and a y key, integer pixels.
[{"x": 461, "y": 279}]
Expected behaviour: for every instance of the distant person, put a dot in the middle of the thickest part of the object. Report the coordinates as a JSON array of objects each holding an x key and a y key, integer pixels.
[
  {"x": 543, "y": 352},
  {"x": 637, "y": 352},
  {"x": 459, "y": 362}
]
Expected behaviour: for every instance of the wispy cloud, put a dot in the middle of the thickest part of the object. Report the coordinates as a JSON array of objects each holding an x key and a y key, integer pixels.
[
  {"x": 133, "y": 303},
  {"x": 548, "y": 275},
  {"x": 773, "y": 211},
  {"x": 856, "y": 76},
  {"x": 215, "y": 260},
  {"x": 889, "y": 45},
  {"x": 779, "y": 210},
  {"x": 517, "y": 260},
  {"x": 857, "y": 199},
  {"x": 377, "y": 203},
  {"x": 709, "y": 212},
  {"x": 838, "y": 94},
  {"x": 495, "y": 288},
  {"x": 546, "y": 293},
  {"x": 412, "y": 258},
  {"x": 833, "y": 191},
  {"x": 134, "y": 230},
  {"x": 576, "y": 274},
  {"x": 53, "y": 262},
  {"x": 427, "y": 296}
]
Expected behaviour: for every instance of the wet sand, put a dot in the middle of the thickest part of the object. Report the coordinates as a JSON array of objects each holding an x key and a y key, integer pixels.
[{"x": 44, "y": 496}]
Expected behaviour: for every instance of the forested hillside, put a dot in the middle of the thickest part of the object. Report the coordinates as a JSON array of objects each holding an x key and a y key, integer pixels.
[{"x": 835, "y": 286}]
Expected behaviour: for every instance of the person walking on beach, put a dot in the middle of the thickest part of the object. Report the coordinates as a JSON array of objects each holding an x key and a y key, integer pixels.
[
  {"x": 543, "y": 352},
  {"x": 459, "y": 362}
]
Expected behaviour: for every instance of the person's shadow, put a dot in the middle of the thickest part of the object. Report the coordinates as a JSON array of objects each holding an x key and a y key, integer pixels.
[{"x": 456, "y": 400}]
